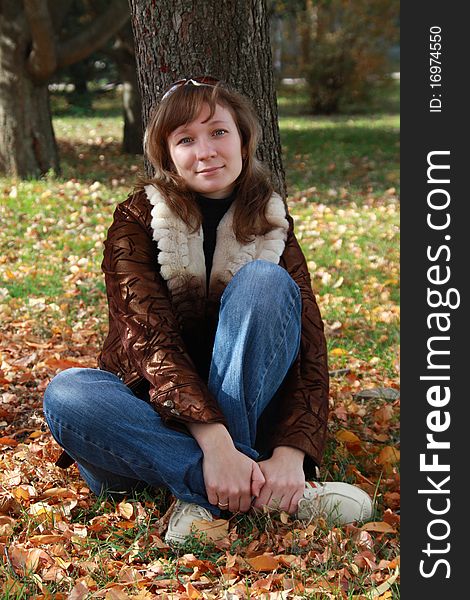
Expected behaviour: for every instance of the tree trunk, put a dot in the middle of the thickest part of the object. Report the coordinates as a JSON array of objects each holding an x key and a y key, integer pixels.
[
  {"x": 132, "y": 107},
  {"x": 228, "y": 40},
  {"x": 123, "y": 54},
  {"x": 30, "y": 54},
  {"x": 27, "y": 142}
]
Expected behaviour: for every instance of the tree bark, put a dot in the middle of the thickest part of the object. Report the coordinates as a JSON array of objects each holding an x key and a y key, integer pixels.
[
  {"x": 27, "y": 142},
  {"x": 123, "y": 54},
  {"x": 228, "y": 40},
  {"x": 29, "y": 56}
]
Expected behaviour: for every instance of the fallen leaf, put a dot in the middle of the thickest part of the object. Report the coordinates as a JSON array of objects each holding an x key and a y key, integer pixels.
[
  {"x": 125, "y": 509},
  {"x": 192, "y": 591},
  {"x": 379, "y": 527},
  {"x": 46, "y": 539},
  {"x": 338, "y": 352},
  {"x": 263, "y": 562},
  {"x": 212, "y": 530},
  {"x": 347, "y": 437},
  {"x": 79, "y": 592},
  {"x": 6, "y": 441},
  {"x": 389, "y": 455}
]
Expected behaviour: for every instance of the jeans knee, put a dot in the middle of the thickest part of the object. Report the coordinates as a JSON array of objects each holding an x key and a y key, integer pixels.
[
  {"x": 267, "y": 279},
  {"x": 66, "y": 387}
]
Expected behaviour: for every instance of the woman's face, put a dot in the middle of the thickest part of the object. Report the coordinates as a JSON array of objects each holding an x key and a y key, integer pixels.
[{"x": 207, "y": 153}]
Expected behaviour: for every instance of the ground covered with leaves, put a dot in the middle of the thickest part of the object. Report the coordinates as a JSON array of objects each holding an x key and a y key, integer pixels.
[{"x": 57, "y": 540}]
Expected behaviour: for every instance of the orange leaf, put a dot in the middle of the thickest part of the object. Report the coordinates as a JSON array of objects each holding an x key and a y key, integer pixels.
[
  {"x": 388, "y": 456},
  {"x": 379, "y": 527},
  {"x": 6, "y": 441},
  {"x": 263, "y": 562},
  {"x": 63, "y": 363},
  {"x": 213, "y": 530},
  {"x": 192, "y": 591},
  {"x": 347, "y": 437},
  {"x": 45, "y": 539}
]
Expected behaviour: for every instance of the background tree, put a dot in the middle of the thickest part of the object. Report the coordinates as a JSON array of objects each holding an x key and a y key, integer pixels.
[
  {"x": 31, "y": 51},
  {"x": 228, "y": 40},
  {"x": 111, "y": 65},
  {"x": 123, "y": 54},
  {"x": 349, "y": 50}
]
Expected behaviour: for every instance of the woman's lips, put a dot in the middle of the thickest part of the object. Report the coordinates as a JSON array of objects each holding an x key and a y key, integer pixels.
[{"x": 209, "y": 170}]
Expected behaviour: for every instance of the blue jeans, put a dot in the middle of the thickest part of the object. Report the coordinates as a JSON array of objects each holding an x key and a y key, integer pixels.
[{"x": 120, "y": 442}]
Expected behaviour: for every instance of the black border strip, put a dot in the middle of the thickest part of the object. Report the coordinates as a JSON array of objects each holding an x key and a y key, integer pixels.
[{"x": 434, "y": 568}]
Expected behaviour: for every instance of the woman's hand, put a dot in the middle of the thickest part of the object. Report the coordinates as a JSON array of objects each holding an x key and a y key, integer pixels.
[
  {"x": 285, "y": 480},
  {"x": 231, "y": 478}
]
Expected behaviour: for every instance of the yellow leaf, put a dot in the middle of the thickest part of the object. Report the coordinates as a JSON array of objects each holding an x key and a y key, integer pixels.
[
  {"x": 263, "y": 562},
  {"x": 338, "y": 352},
  {"x": 347, "y": 437},
  {"x": 212, "y": 530},
  {"x": 381, "y": 591},
  {"x": 46, "y": 539},
  {"x": 192, "y": 591},
  {"x": 116, "y": 594},
  {"x": 125, "y": 509},
  {"x": 57, "y": 492},
  {"x": 379, "y": 527},
  {"x": 388, "y": 455}
]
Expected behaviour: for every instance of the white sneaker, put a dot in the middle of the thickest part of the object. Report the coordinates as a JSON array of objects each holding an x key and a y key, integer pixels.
[
  {"x": 337, "y": 502},
  {"x": 182, "y": 517}
]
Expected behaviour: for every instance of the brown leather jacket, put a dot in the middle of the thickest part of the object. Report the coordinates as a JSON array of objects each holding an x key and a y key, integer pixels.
[
  {"x": 158, "y": 321},
  {"x": 162, "y": 320}
]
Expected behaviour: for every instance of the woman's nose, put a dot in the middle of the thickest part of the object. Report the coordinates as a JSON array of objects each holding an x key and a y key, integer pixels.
[{"x": 205, "y": 150}]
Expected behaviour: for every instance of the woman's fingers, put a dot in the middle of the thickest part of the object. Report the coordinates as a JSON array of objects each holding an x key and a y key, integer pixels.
[
  {"x": 257, "y": 480},
  {"x": 294, "y": 502},
  {"x": 228, "y": 476}
]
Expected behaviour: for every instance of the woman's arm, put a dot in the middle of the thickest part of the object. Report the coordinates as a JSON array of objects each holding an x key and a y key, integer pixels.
[
  {"x": 230, "y": 477},
  {"x": 303, "y": 406},
  {"x": 141, "y": 310},
  {"x": 284, "y": 479}
]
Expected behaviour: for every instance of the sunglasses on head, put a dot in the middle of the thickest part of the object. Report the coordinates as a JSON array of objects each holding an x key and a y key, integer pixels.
[{"x": 197, "y": 81}]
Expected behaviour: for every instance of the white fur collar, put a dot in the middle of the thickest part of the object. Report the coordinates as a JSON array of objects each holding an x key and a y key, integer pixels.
[{"x": 181, "y": 256}]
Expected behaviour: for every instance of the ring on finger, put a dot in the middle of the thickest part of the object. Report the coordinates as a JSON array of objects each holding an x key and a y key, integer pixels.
[{"x": 222, "y": 504}]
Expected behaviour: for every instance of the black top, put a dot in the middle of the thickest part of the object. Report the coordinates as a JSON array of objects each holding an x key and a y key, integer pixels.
[{"x": 212, "y": 212}]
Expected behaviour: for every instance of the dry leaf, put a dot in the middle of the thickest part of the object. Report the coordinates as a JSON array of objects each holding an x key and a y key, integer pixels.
[
  {"x": 263, "y": 562},
  {"x": 79, "y": 592},
  {"x": 6, "y": 441},
  {"x": 192, "y": 591},
  {"x": 125, "y": 509},
  {"x": 388, "y": 456},
  {"x": 338, "y": 352},
  {"x": 379, "y": 527},
  {"x": 347, "y": 437},
  {"x": 212, "y": 530},
  {"x": 46, "y": 539}
]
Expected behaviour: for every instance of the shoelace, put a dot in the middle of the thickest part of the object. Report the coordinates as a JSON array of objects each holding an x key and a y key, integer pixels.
[{"x": 193, "y": 510}]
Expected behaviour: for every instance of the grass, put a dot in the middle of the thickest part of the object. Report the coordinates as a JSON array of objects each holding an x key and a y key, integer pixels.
[{"x": 343, "y": 184}]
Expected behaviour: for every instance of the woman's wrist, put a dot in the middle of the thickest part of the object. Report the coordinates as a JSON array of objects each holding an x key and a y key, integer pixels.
[
  {"x": 289, "y": 452},
  {"x": 211, "y": 437}
]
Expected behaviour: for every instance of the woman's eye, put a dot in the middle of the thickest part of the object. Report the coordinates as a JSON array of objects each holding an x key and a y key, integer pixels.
[
  {"x": 219, "y": 132},
  {"x": 184, "y": 140}
]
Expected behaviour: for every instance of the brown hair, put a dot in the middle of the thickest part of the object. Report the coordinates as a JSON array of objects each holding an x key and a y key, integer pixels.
[{"x": 253, "y": 186}]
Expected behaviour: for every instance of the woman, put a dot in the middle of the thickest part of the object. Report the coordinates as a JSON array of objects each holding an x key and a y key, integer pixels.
[{"x": 213, "y": 380}]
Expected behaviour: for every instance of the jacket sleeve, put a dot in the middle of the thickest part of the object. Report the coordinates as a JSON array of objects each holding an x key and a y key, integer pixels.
[
  {"x": 149, "y": 331},
  {"x": 303, "y": 404}
]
